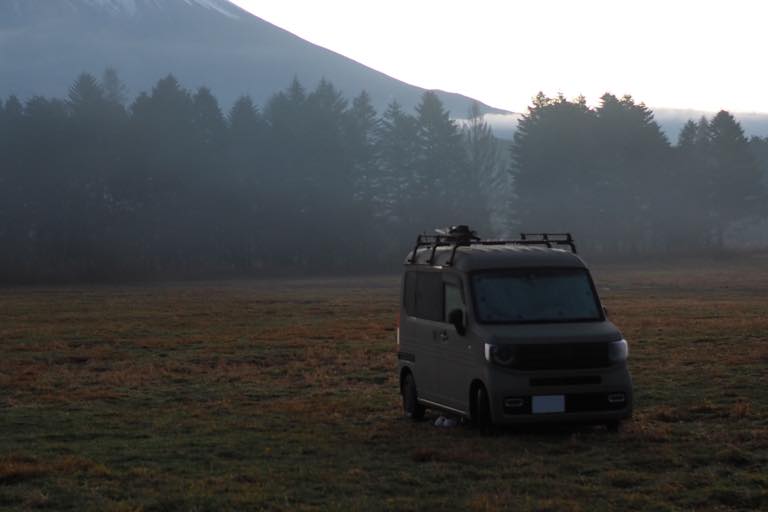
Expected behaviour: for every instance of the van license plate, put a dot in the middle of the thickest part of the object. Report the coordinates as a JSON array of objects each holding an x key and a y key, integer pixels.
[{"x": 548, "y": 403}]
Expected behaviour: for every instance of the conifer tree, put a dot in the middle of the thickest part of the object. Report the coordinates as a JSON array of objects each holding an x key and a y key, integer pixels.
[
  {"x": 208, "y": 119},
  {"x": 689, "y": 225},
  {"x": 398, "y": 153},
  {"x": 446, "y": 192},
  {"x": 485, "y": 176},
  {"x": 360, "y": 135},
  {"x": 85, "y": 95},
  {"x": 759, "y": 147},
  {"x": 115, "y": 90},
  {"x": 631, "y": 163},
  {"x": 244, "y": 118},
  {"x": 687, "y": 137},
  {"x": 737, "y": 187},
  {"x": 552, "y": 162},
  {"x": 246, "y": 146}
]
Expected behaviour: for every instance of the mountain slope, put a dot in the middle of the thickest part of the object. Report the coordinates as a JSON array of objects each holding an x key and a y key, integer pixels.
[{"x": 45, "y": 44}]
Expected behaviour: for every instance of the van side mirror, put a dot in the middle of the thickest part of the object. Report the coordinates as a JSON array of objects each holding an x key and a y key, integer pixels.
[{"x": 456, "y": 318}]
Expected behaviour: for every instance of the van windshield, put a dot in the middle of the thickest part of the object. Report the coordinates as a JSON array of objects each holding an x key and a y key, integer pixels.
[{"x": 535, "y": 296}]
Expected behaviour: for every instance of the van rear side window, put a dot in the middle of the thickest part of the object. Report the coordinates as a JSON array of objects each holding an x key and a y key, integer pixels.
[
  {"x": 424, "y": 295},
  {"x": 453, "y": 300}
]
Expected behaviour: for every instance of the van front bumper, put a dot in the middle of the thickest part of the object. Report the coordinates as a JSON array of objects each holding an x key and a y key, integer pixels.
[{"x": 578, "y": 396}]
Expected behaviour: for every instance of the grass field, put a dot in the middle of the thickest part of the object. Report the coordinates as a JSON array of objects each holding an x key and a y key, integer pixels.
[{"x": 282, "y": 395}]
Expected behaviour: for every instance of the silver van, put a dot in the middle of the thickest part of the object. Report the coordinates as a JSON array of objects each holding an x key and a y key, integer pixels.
[{"x": 507, "y": 331}]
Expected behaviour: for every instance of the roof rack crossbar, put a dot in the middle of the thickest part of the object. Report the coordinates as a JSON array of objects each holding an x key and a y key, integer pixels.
[
  {"x": 416, "y": 246},
  {"x": 553, "y": 238},
  {"x": 432, "y": 256},
  {"x": 453, "y": 254},
  {"x": 433, "y": 242},
  {"x": 429, "y": 241}
]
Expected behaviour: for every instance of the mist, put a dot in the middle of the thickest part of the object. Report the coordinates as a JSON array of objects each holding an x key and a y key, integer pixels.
[{"x": 100, "y": 187}]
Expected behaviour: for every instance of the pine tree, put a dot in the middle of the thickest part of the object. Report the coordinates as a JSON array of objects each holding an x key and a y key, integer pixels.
[
  {"x": 247, "y": 136},
  {"x": 552, "y": 162},
  {"x": 360, "y": 135},
  {"x": 163, "y": 125},
  {"x": 115, "y": 90},
  {"x": 295, "y": 92},
  {"x": 334, "y": 203},
  {"x": 329, "y": 169},
  {"x": 47, "y": 191},
  {"x": 482, "y": 147},
  {"x": 398, "y": 152},
  {"x": 691, "y": 224},
  {"x": 759, "y": 147},
  {"x": 446, "y": 192},
  {"x": 98, "y": 127},
  {"x": 244, "y": 118},
  {"x": 687, "y": 137},
  {"x": 485, "y": 172},
  {"x": 208, "y": 120},
  {"x": 737, "y": 187},
  {"x": 283, "y": 180},
  {"x": 247, "y": 148},
  {"x": 632, "y": 176}
]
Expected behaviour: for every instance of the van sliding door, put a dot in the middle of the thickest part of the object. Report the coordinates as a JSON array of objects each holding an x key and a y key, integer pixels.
[{"x": 456, "y": 356}]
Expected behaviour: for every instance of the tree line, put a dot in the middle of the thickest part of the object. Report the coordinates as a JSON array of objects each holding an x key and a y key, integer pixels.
[
  {"x": 610, "y": 175},
  {"x": 170, "y": 186},
  {"x": 93, "y": 187}
]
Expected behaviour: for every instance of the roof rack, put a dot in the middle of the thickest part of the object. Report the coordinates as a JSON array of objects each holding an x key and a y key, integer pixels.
[{"x": 462, "y": 236}]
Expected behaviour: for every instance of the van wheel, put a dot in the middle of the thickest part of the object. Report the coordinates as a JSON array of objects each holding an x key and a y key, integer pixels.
[
  {"x": 481, "y": 415},
  {"x": 411, "y": 406},
  {"x": 613, "y": 425}
]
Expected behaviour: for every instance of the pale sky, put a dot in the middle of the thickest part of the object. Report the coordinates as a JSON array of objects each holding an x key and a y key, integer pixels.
[{"x": 705, "y": 55}]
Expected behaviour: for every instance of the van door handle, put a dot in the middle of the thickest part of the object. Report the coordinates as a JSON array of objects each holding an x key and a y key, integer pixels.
[{"x": 444, "y": 335}]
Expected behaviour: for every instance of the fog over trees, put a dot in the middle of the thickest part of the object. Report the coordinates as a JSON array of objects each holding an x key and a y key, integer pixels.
[
  {"x": 169, "y": 186},
  {"x": 610, "y": 175}
]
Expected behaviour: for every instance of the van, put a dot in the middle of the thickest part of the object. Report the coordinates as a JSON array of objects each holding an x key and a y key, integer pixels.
[{"x": 507, "y": 331}]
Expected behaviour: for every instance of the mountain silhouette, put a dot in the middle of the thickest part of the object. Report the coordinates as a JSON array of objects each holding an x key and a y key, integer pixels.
[{"x": 45, "y": 44}]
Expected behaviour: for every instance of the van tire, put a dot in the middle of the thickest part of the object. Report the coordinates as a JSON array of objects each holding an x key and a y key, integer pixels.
[
  {"x": 411, "y": 406},
  {"x": 481, "y": 411}
]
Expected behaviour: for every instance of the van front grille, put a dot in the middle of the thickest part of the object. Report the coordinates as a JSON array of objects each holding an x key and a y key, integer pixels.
[
  {"x": 561, "y": 356},
  {"x": 576, "y": 380}
]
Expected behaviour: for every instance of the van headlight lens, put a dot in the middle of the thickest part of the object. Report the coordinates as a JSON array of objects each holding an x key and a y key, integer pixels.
[
  {"x": 503, "y": 355},
  {"x": 618, "y": 351}
]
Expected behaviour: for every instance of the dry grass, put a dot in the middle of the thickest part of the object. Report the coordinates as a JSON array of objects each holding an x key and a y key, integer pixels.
[{"x": 281, "y": 395}]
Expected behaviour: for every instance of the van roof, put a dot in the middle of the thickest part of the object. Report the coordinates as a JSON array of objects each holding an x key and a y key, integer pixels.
[{"x": 485, "y": 257}]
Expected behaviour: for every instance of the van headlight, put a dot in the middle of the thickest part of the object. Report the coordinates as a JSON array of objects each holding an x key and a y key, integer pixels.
[
  {"x": 618, "y": 351},
  {"x": 503, "y": 355}
]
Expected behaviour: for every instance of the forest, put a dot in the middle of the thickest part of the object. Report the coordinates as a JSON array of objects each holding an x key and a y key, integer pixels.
[{"x": 98, "y": 187}]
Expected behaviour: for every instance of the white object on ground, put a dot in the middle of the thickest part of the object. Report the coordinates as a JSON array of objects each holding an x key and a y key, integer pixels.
[{"x": 444, "y": 422}]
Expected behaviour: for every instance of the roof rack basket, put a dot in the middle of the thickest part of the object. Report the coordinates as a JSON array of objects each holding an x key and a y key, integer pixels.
[{"x": 462, "y": 236}]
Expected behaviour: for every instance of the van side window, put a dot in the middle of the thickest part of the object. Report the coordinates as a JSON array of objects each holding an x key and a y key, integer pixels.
[
  {"x": 424, "y": 295},
  {"x": 453, "y": 299},
  {"x": 409, "y": 293}
]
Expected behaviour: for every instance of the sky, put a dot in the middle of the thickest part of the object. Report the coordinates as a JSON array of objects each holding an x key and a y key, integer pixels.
[{"x": 702, "y": 55}]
